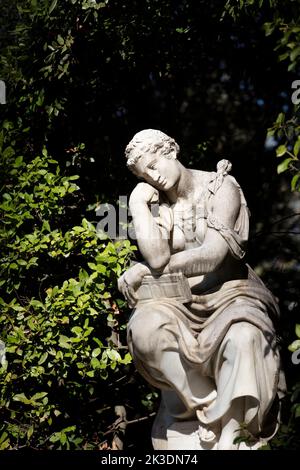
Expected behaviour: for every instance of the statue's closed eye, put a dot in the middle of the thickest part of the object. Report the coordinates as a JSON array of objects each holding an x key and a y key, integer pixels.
[{"x": 152, "y": 165}]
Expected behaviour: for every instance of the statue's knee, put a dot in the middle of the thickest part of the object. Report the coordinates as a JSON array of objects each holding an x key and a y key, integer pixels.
[
  {"x": 242, "y": 335},
  {"x": 145, "y": 330}
]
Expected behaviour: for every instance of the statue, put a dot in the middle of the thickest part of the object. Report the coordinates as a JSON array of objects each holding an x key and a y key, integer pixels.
[{"x": 202, "y": 329}]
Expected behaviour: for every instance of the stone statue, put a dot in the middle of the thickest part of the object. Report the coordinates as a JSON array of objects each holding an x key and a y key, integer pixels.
[{"x": 202, "y": 329}]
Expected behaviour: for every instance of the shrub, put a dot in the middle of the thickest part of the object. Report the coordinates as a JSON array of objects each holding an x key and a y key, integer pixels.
[{"x": 60, "y": 311}]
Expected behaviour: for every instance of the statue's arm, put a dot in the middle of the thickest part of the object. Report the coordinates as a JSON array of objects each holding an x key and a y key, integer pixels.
[
  {"x": 152, "y": 241},
  {"x": 209, "y": 256}
]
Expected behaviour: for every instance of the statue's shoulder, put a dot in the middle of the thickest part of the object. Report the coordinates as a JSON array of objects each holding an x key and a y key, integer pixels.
[{"x": 225, "y": 186}]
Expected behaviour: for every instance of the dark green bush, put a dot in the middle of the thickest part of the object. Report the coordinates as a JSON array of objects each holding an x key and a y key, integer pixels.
[{"x": 60, "y": 312}]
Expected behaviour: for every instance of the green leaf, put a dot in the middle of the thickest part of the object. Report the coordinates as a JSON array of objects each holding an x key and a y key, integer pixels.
[
  {"x": 30, "y": 432},
  {"x": 96, "y": 352},
  {"x": 297, "y": 330},
  {"x": 284, "y": 165},
  {"x": 281, "y": 150},
  {"x": 294, "y": 346},
  {"x": 95, "y": 363},
  {"x": 294, "y": 54},
  {"x": 8, "y": 152},
  {"x": 280, "y": 118},
  {"x": 127, "y": 359},
  {"x": 77, "y": 330},
  {"x": 55, "y": 437},
  {"x": 297, "y": 411},
  {"x": 100, "y": 344},
  {"x": 43, "y": 358},
  {"x": 269, "y": 28},
  {"x": 39, "y": 396},
  {"x": 4, "y": 441},
  {"x": 295, "y": 181},
  {"x": 64, "y": 342},
  {"x": 60, "y": 40},
  {"x": 52, "y": 6},
  {"x": 22, "y": 398},
  {"x": 113, "y": 355},
  {"x": 18, "y": 162},
  {"x": 46, "y": 226},
  {"x": 3, "y": 436},
  {"x": 297, "y": 147}
]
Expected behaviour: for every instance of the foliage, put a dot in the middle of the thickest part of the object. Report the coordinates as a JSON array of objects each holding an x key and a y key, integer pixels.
[
  {"x": 285, "y": 22},
  {"x": 285, "y": 132},
  {"x": 64, "y": 341}
]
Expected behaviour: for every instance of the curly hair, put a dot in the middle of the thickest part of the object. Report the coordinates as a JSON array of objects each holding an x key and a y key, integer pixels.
[{"x": 151, "y": 141}]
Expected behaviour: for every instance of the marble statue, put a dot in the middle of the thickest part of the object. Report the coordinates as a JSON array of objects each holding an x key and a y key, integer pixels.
[{"x": 202, "y": 327}]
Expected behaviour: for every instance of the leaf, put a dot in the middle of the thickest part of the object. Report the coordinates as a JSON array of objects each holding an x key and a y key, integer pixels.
[
  {"x": 95, "y": 363},
  {"x": 297, "y": 147},
  {"x": 284, "y": 165},
  {"x": 77, "y": 330},
  {"x": 8, "y": 152},
  {"x": 4, "y": 441},
  {"x": 280, "y": 118},
  {"x": 269, "y": 28},
  {"x": 39, "y": 396},
  {"x": 294, "y": 54},
  {"x": 284, "y": 56},
  {"x": 281, "y": 150},
  {"x": 113, "y": 355},
  {"x": 297, "y": 411},
  {"x": 22, "y": 398},
  {"x": 46, "y": 226},
  {"x": 18, "y": 162},
  {"x": 294, "y": 182},
  {"x": 96, "y": 352},
  {"x": 92, "y": 266},
  {"x": 64, "y": 342},
  {"x": 60, "y": 40},
  {"x": 52, "y": 6},
  {"x": 30, "y": 432},
  {"x": 43, "y": 358},
  {"x": 297, "y": 330},
  {"x": 3, "y": 436},
  {"x": 127, "y": 359},
  {"x": 294, "y": 346},
  {"x": 100, "y": 344},
  {"x": 55, "y": 437}
]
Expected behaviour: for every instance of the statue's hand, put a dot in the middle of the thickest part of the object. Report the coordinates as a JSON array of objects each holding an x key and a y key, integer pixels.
[
  {"x": 145, "y": 193},
  {"x": 130, "y": 281}
]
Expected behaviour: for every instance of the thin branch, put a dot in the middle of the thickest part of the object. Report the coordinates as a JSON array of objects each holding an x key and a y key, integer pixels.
[
  {"x": 275, "y": 233},
  {"x": 141, "y": 419},
  {"x": 278, "y": 222}
]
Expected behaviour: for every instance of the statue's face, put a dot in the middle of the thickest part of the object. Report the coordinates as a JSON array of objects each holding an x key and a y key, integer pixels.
[{"x": 161, "y": 172}]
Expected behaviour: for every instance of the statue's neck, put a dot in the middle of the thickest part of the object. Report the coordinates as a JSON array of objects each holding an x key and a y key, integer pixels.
[{"x": 183, "y": 188}]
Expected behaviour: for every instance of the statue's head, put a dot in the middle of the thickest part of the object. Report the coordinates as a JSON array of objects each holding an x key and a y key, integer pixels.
[{"x": 152, "y": 156}]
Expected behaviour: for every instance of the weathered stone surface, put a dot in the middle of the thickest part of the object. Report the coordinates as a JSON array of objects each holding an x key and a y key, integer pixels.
[{"x": 202, "y": 330}]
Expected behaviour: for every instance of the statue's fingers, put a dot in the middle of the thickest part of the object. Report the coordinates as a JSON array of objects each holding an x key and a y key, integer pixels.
[
  {"x": 125, "y": 292},
  {"x": 131, "y": 296}
]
